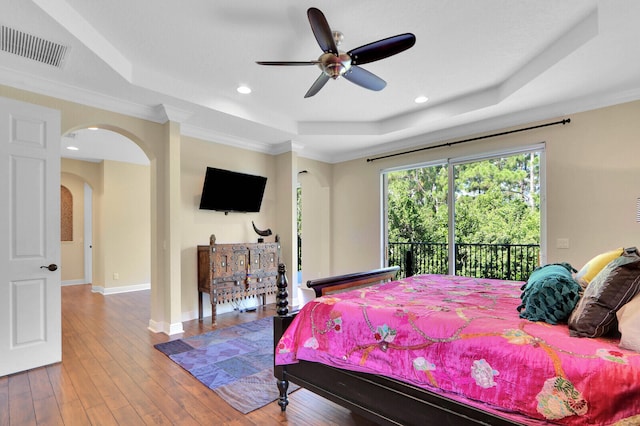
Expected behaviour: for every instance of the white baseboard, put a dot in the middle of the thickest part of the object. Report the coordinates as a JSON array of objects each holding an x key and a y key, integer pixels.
[
  {"x": 117, "y": 290},
  {"x": 166, "y": 328},
  {"x": 223, "y": 308},
  {"x": 73, "y": 282}
]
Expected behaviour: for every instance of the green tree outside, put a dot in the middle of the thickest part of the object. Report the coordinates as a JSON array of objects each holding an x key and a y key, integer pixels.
[{"x": 497, "y": 201}]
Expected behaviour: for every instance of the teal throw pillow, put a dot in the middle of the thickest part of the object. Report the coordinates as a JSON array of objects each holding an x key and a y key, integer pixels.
[{"x": 550, "y": 294}]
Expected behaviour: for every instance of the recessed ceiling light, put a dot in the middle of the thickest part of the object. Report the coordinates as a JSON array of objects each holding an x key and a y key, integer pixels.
[
  {"x": 245, "y": 90},
  {"x": 421, "y": 99},
  {"x": 72, "y": 148}
]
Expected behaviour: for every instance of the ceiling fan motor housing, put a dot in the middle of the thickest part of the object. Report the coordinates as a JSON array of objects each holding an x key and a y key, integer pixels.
[{"x": 334, "y": 65}]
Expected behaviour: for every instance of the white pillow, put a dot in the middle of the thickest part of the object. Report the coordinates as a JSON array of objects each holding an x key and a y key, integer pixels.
[{"x": 629, "y": 324}]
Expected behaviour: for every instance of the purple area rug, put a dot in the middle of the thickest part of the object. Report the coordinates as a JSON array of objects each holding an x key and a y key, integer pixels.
[{"x": 235, "y": 362}]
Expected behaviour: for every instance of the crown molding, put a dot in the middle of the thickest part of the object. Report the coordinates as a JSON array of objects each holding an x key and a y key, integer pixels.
[{"x": 170, "y": 113}]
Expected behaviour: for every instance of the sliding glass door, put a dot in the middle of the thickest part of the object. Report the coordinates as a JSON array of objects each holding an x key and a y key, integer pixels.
[{"x": 477, "y": 216}]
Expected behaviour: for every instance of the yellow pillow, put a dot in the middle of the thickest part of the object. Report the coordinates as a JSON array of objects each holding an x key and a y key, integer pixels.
[{"x": 595, "y": 265}]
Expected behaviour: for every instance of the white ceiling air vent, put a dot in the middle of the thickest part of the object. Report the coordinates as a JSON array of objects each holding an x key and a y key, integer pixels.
[{"x": 32, "y": 47}]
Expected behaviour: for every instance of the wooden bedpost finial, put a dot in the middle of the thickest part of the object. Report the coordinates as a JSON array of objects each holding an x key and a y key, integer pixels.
[{"x": 282, "y": 295}]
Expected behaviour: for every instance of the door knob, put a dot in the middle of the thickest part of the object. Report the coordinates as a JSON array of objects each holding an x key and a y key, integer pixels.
[{"x": 51, "y": 267}]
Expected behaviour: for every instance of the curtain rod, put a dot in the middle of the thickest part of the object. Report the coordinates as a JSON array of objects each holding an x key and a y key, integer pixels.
[{"x": 565, "y": 121}]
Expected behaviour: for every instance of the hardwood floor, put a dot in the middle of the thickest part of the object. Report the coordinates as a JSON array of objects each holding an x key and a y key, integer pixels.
[{"x": 112, "y": 375}]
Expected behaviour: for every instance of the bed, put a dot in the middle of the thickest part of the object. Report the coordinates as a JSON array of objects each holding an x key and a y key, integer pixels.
[{"x": 447, "y": 350}]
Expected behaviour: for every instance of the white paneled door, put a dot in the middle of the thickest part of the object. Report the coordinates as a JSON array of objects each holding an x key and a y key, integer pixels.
[{"x": 30, "y": 305}]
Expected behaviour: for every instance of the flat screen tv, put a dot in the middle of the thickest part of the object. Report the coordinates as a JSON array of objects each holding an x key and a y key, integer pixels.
[{"x": 228, "y": 191}]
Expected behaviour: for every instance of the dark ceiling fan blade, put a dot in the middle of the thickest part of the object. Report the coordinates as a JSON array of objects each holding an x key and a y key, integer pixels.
[
  {"x": 364, "y": 78},
  {"x": 382, "y": 48},
  {"x": 289, "y": 63},
  {"x": 322, "y": 31},
  {"x": 317, "y": 85}
]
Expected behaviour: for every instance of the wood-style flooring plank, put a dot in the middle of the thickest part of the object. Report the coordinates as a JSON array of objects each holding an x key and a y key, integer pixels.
[
  {"x": 200, "y": 401},
  {"x": 138, "y": 398},
  {"x": 100, "y": 415},
  {"x": 73, "y": 413},
  {"x": 61, "y": 384},
  {"x": 4, "y": 401},
  {"x": 21, "y": 410},
  {"x": 168, "y": 405},
  {"x": 88, "y": 392},
  {"x": 112, "y": 396},
  {"x": 18, "y": 384},
  {"x": 127, "y": 416},
  {"x": 47, "y": 412},
  {"x": 39, "y": 383},
  {"x": 20, "y": 400}
]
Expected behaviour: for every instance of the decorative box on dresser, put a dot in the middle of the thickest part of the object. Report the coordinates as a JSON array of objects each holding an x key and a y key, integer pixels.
[{"x": 236, "y": 271}]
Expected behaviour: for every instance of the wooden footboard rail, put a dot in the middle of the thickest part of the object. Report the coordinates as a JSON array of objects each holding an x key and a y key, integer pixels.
[
  {"x": 339, "y": 283},
  {"x": 377, "y": 398}
]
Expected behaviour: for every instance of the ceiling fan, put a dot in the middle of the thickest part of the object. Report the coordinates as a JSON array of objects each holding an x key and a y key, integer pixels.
[{"x": 335, "y": 63}]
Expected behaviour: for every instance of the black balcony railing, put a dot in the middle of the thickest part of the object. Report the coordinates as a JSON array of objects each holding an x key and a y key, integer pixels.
[
  {"x": 501, "y": 261},
  {"x": 299, "y": 253}
]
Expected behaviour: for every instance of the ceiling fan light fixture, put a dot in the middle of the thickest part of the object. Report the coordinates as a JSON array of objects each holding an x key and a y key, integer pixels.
[
  {"x": 334, "y": 70},
  {"x": 243, "y": 89},
  {"x": 334, "y": 65}
]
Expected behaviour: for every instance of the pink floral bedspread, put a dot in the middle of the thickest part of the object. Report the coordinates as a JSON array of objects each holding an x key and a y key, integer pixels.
[{"x": 462, "y": 337}]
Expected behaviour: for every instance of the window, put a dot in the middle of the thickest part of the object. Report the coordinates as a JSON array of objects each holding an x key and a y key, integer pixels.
[{"x": 478, "y": 216}]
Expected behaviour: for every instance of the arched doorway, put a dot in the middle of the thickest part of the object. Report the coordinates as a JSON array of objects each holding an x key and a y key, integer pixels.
[{"x": 116, "y": 219}]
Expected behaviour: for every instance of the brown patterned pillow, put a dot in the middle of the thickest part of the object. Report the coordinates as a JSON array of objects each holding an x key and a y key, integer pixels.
[{"x": 615, "y": 285}]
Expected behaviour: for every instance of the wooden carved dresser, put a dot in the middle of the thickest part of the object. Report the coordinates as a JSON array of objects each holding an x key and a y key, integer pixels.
[{"x": 236, "y": 271}]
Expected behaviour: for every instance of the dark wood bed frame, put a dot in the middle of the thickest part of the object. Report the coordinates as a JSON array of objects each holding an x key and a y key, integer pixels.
[{"x": 377, "y": 398}]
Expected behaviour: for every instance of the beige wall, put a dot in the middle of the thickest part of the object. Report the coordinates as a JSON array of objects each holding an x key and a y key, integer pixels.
[
  {"x": 198, "y": 225},
  {"x": 593, "y": 182},
  {"x": 124, "y": 236}
]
